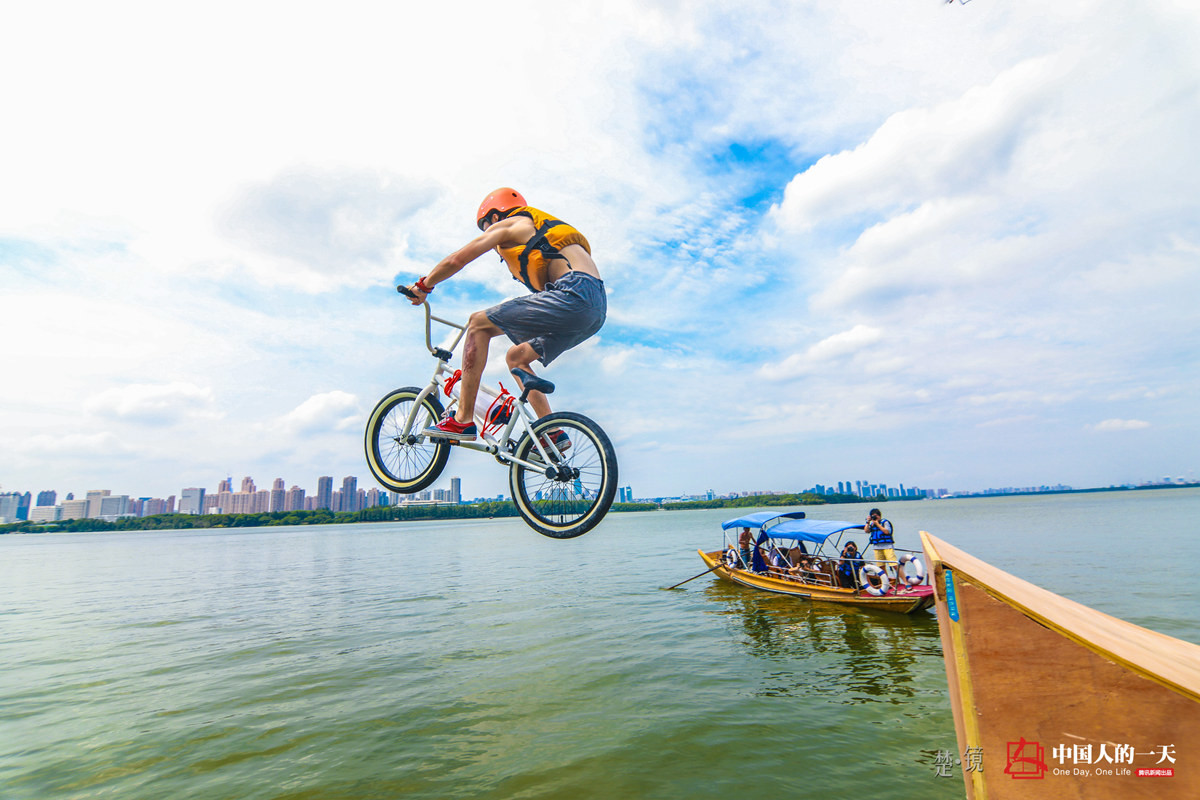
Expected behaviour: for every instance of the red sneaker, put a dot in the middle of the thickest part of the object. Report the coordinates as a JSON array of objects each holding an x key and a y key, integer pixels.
[
  {"x": 558, "y": 439},
  {"x": 452, "y": 429}
]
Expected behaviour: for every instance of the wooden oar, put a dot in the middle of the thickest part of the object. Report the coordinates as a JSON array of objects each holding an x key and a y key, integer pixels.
[{"x": 701, "y": 575}]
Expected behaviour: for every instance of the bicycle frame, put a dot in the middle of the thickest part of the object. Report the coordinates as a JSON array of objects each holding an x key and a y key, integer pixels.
[{"x": 502, "y": 447}]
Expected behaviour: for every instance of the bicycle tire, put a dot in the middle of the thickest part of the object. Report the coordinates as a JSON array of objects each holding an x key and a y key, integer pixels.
[
  {"x": 403, "y": 466},
  {"x": 565, "y": 508}
]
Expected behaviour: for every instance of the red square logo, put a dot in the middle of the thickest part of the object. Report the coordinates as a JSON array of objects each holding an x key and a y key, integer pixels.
[{"x": 1026, "y": 761}]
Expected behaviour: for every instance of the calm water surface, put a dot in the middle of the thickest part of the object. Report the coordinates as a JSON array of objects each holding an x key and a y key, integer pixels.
[{"x": 477, "y": 659}]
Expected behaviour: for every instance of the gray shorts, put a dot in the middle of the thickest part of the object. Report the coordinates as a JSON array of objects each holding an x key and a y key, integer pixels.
[{"x": 556, "y": 319}]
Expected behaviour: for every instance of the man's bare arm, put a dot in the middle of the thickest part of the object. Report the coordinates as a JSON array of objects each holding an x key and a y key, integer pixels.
[{"x": 511, "y": 231}]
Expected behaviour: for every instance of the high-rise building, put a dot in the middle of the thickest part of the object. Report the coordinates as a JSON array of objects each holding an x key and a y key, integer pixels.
[
  {"x": 113, "y": 506},
  {"x": 262, "y": 501},
  {"x": 45, "y": 514},
  {"x": 191, "y": 501},
  {"x": 248, "y": 485},
  {"x": 47, "y": 498},
  {"x": 93, "y": 502},
  {"x": 74, "y": 509},
  {"x": 225, "y": 485},
  {"x": 456, "y": 490},
  {"x": 278, "y": 495},
  {"x": 349, "y": 493},
  {"x": 294, "y": 500},
  {"x": 156, "y": 505},
  {"x": 324, "y": 498},
  {"x": 9, "y": 502},
  {"x": 240, "y": 503}
]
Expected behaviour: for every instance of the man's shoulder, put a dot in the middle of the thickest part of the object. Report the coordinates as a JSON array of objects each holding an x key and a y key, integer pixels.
[{"x": 517, "y": 229}]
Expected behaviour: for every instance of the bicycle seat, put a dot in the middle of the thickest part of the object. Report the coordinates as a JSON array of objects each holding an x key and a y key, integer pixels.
[{"x": 533, "y": 383}]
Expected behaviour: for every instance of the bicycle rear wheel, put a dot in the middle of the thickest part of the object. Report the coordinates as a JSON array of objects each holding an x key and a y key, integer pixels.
[
  {"x": 570, "y": 496},
  {"x": 402, "y": 464}
]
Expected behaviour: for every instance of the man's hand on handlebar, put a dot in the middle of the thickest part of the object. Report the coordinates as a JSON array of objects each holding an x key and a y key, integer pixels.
[{"x": 417, "y": 293}]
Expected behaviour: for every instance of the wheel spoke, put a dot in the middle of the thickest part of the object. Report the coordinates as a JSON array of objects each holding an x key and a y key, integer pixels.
[
  {"x": 395, "y": 463},
  {"x": 567, "y": 506}
]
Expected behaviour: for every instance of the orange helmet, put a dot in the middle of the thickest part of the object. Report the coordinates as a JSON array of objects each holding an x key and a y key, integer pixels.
[{"x": 499, "y": 202}]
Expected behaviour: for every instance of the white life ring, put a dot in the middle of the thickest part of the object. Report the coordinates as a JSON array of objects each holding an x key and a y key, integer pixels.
[
  {"x": 917, "y": 567},
  {"x": 884, "y": 582}
]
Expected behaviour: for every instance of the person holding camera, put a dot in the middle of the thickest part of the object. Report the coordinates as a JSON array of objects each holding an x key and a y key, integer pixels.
[{"x": 880, "y": 532}]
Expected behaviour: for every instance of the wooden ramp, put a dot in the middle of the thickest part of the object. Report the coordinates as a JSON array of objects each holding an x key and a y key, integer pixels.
[{"x": 1057, "y": 700}]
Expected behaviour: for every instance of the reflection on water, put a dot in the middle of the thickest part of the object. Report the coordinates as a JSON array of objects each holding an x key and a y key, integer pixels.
[{"x": 846, "y": 655}]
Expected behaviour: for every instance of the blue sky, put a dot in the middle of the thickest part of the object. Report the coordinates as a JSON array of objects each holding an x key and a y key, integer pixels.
[{"x": 941, "y": 245}]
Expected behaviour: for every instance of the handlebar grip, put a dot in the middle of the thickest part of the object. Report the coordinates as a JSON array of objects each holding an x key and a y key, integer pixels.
[{"x": 405, "y": 291}]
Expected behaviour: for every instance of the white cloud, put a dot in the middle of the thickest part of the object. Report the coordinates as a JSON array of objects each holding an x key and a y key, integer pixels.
[
  {"x": 153, "y": 404},
  {"x": 74, "y": 445},
  {"x": 1111, "y": 425},
  {"x": 839, "y": 346},
  {"x": 320, "y": 230},
  {"x": 954, "y": 148},
  {"x": 328, "y": 411}
]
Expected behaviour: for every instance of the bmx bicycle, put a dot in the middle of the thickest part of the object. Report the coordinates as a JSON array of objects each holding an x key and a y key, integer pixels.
[{"x": 562, "y": 467}]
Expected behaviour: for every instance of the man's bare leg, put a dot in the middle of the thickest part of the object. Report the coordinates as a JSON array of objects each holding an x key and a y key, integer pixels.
[
  {"x": 480, "y": 332},
  {"x": 522, "y": 356}
]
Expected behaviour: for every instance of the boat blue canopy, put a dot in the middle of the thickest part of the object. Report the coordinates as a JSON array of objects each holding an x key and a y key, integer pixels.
[
  {"x": 811, "y": 530},
  {"x": 792, "y": 526},
  {"x": 760, "y": 518}
]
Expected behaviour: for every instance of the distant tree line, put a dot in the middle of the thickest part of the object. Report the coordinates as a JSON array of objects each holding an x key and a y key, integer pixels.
[
  {"x": 771, "y": 500},
  {"x": 495, "y": 508}
]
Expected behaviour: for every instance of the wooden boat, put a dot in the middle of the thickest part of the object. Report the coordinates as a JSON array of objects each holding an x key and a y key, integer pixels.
[
  {"x": 1057, "y": 700},
  {"x": 788, "y": 532}
]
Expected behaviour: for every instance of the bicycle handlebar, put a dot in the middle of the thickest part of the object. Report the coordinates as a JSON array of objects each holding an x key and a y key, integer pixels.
[{"x": 437, "y": 352}]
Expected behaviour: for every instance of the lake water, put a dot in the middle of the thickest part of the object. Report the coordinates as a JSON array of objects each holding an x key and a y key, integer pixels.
[{"x": 478, "y": 659}]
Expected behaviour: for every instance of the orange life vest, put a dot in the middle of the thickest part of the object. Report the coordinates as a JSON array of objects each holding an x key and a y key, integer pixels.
[{"x": 529, "y": 263}]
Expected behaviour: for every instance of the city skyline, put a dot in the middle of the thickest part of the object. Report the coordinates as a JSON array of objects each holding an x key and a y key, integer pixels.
[
  {"x": 251, "y": 500},
  {"x": 248, "y": 499}
]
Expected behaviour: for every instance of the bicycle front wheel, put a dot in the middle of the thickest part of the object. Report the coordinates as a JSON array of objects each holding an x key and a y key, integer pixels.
[
  {"x": 399, "y": 463},
  {"x": 571, "y": 495}
]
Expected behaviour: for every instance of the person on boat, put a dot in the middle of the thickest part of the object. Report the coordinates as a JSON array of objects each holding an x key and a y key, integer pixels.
[
  {"x": 568, "y": 303},
  {"x": 745, "y": 542},
  {"x": 802, "y": 562},
  {"x": 880, "y": 532},
  {"x": 778, "y": 561},
  {"x": 848, "y": 566}
]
